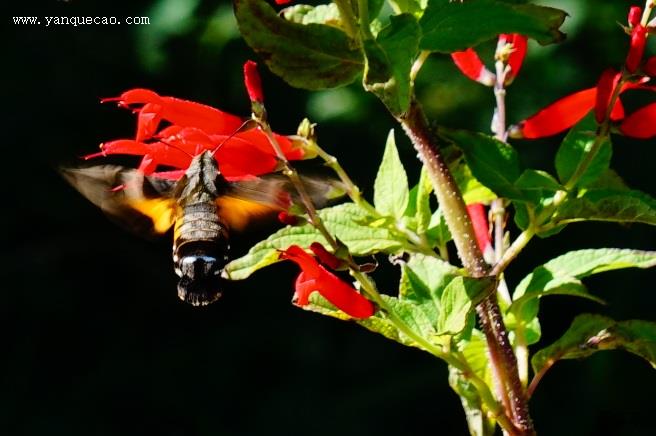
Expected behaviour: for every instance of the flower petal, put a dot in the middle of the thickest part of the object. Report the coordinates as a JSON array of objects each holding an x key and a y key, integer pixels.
[
  {"x": 238, "y": 160},
  {"x": 341, "y": 295},
  {"x": 183, "y": 112},
  {"x": 635, "y": 14},
  {"x": 161, "y": 154},
  {"x": 257, "y": 138},
  {"x": 558, "y": 116},
  {"x": 315, "y": 277},
  {"x": 471, "y": 66},
  {"x": 308, "y": 264},
  {"x": 641, "y": 123},
  {"x": 148, "y": 120},
  {"x": 605, "y": 87},
  {"x": 516, "y": 58},
  {"x": 479, "y": 220},
  {"x": 637, "y": 48},
  {"x": 135, "y": 96},
  {"x": 253, "y": 82}
]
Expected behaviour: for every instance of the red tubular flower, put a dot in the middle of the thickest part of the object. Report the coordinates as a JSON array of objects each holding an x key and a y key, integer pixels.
[
  {"x": 315, "y": 277},
  {"x": 194, "y": 128},
  {"x": 569, "y": 110},
  {"x": 641, "y": 123},
  {"x": 478, "y": 217},
  {"x": 471, "y": 66},
  {"x": 253, "y": 82},
  {"x": 282, "y": 2},
  {"x": 556, "y": 117},
  {"x": 287, "y": 219},
  {"x": 635, "y": 14},
  {"x": 637, "y": 48},
  {"x": 605, "y": 87},
  {"x": 176, "y": 111},
  {"x": 516, "y": 58}
]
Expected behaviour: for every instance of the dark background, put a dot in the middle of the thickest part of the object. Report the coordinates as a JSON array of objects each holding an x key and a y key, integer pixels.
[{"x": 95, "y": 341}]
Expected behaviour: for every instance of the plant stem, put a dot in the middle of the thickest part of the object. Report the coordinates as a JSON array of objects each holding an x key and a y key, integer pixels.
[
  {"x": 291, "y": 172},
  {"x": 511, "y": 253},
  {"x": 497, "y": 208},
  {"x": 537, "y": 377},
  {"x": 348, "y": 18},
  {"x": 448, "y": 195},
  {"x": 419, "y": 62},
  {"x": 521, "y": 350},
  {"x": 450, "y": 199}
]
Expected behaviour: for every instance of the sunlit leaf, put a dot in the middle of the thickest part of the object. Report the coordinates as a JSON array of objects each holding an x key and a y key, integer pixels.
[
  {"x": 391, "y": 186},
  {"x": 561, "y": 276},
  {"x": 347, "y": 222}
]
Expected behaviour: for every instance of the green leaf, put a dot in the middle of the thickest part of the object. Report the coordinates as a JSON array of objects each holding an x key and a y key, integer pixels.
[
  {"x": 608, "y": 205},
  {"x": 348, "y": 222},
  {"x": 425, "y": 278},
  {"x": 471, "y": 189},
  {"x": 458, "y": 299},
  {"x": 521, "y": 218},
  {"x": 421, "y": 318},
  {"x": 389, "y": 59},
  {"x": 576, "y": 146},
  {"x": 429, "y": 282},
  {"x": 438, "y": 232},
  {"x": 391, "y": 186},
  {"x": 494, "y": 163},
  {"x": 591, "y": 333},
  {"x": 378, "y": 323},
  {"x": 609, "y": 179},
  {"x": 450, "y": 26},
  {"x": 538, "y": 187},
  {"x": 561, "y": 276},
  {"x": 374, "y": 7},
  {"x": 312, "y": 56}
]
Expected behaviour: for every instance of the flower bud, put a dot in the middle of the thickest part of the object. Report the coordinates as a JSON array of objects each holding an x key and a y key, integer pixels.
[{"x": 253, "y": 82}]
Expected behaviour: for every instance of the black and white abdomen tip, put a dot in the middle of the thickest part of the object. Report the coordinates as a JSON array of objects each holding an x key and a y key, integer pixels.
[{"x": 199, "y": 283}]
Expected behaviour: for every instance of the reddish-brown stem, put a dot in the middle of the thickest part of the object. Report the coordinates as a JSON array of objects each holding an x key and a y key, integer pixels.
[
  {"x": 537, "y": 377},
  {"x": 450, "y": 199}
]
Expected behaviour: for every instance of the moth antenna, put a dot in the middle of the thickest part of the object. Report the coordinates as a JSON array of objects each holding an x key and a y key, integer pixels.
[
  {"x": 237, "y": 130},
  {"x": 168, "y": 144}
]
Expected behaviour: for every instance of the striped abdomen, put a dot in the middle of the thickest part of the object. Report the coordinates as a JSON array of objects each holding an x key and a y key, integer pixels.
[{"x": 200, "y": 248}]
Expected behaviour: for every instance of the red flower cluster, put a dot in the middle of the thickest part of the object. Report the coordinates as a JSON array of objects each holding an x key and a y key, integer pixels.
[
  {"x": 471, "y": 65},
  {"x": 315, "y": 277},
  {"x": 193, "y": 128},
  {"x": 568, "y": 111}
]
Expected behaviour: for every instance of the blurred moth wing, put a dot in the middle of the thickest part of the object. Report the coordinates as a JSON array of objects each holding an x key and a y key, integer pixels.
[{"x": 203, "y": 208}]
